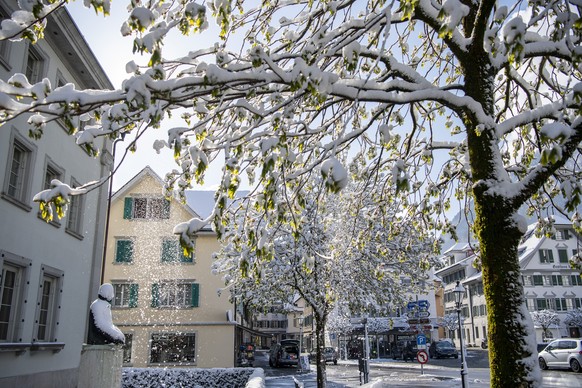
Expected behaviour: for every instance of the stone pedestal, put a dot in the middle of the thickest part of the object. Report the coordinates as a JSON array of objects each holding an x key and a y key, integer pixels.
[{"x": 100, "y": 366}]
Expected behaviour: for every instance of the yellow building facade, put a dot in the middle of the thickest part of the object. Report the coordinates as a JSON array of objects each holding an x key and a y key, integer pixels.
[{"x": 166, "y": 303}]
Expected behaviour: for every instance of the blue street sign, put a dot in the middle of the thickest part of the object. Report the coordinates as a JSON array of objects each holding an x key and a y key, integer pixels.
[
  {"x": 421, "y": 340},
  {"x": 423, "y": 304},
  {"x": 411, "y": 305}
]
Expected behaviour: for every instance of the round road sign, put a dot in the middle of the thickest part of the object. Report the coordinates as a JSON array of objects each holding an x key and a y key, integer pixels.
[{"x": 422, "y": 357}]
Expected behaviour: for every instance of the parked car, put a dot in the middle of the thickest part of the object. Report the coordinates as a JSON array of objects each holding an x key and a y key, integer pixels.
[
  {"x": 285, "y": 353},
  {"x": 562, "y": 353},
  {"x": 442, "y": 349},
  {"x": 329, "y": 355}
]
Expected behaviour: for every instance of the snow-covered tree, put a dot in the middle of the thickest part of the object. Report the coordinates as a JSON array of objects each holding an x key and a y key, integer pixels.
[
  {"x": 574, "y": 318},
  {"x": 449, "y": 321},
  {"x": 435, "y": 99},
  {"x": 545, "y": 319},
  {"x": 307, "y": 254}
]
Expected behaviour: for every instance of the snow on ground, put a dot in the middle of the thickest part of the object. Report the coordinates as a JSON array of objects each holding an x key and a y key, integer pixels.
[{"x": 192, "y": 378}]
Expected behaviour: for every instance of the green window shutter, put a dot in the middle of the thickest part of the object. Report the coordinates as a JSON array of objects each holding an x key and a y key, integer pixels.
[
  {"x": 551, "y": 255},
  {"x": 128, "y": 208},
  {"x": 169, "y": 252},
  {"x": 133, "y": 293},
  {"x": 563, "y": 255},
  {"x": 155, "y": 295},
  {"x": 195, "y": 294},
  {"x": 124, "y": 252},
  {"x": 166, "y": 209}
]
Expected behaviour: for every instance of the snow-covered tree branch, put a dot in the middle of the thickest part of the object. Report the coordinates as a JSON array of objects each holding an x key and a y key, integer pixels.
[{"x": 366, "y": 90}]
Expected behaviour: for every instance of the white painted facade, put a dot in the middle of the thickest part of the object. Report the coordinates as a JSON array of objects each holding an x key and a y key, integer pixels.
[
  {"x": 549, "y": 282},
  {"x": 50, "y": 271}
]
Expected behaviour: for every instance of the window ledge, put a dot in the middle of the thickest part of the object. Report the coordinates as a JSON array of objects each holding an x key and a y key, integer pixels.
[
  {"x": 74, "y": 234},
  {"x": 55, "y": 347},
  {"x": 16, "y": 347},
  {"x": 17, "y": 202}
]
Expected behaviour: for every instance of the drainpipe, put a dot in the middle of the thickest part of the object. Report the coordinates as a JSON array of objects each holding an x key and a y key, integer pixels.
[{"x": 109, "y": 208}]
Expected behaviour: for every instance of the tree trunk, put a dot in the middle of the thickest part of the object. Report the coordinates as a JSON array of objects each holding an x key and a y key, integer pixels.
[
  {"x": 320, "y": 361},
  {"x": 512, "y": 360}
]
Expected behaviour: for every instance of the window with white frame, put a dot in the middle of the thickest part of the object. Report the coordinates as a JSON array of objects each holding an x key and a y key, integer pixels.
[
  {"x": 146, "y": 208},
  {"x": 557, "y": 280},
  {"x": 576, "y": 280},
  {"x": 562, "y": 234},
  {"x": 172, "y": 252},
  {"x": 18, "y": 176},
  {"x": 538, "y": 280},
  {"x": 127, "y": 348},
  {"x": 5, "y": 44},
  {"x": 126, "y": 295},
  {"x": 48, "y": 305},
  {"x": 173, "y": 348},
  {"x": 51, "y": 172},
  {"x": 561, "y": 304},
  {"x": 34, "y": 65},
  {"x": 75, "y": 213},
  {"x": 175, "y": 294},
  {"x": 12, "y": 289},
  {"x": 546, "y": 256}
]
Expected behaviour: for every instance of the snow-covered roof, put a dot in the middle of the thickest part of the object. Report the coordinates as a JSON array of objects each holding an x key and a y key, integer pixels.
[{"x": 461, "y": 263}]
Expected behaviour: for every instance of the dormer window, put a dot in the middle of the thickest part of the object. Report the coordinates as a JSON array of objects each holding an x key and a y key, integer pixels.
[{"x": 562, "y": 234}]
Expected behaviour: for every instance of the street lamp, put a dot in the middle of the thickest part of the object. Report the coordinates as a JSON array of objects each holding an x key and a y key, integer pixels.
[{"x": 459, "y": 292}]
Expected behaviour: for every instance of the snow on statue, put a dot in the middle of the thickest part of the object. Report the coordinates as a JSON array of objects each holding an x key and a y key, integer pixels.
[
  {"x": 437, "y": 103},
  {"x": 101, "y": 328}
]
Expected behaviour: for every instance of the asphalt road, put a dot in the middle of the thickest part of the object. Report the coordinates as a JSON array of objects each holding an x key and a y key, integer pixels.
[{"x": 436, "y": 373}]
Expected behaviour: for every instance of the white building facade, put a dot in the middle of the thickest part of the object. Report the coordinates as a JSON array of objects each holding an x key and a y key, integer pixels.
[
  {"x": 548, "y": 280},
  {"x": 50, "y": 271}
]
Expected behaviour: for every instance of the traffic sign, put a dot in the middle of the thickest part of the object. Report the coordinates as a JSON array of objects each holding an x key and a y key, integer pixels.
[
  {"x": 422, "y": 357},
  {"x": 423, "y": 304},
  {"x": 424, "y": 314},
  {"x": 421, "y": 342}
]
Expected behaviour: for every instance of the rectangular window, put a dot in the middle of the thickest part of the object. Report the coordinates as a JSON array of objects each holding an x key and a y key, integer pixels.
[
  {"x": 538, "y": 280},
  {"x": 124, "y": 251},
  {"x": 5, "y": 44},
  {"x": 18, "y": 176},
  {"x": 173, "y": 348},
  {"x": 175, "y": 294},
  {"x": 146, "y": 208},
  {"x": 34, "y": 65},
  {"x": 48, "y": 305},
  {"x": 172, "y": 252},
  {"x": 576, "y": 280},
  {"x": 75, "y": 213},
  {"x": 126, "y": 295},
  {"x": 562, "y": 234},
  {"x": 546, "y": 256},
  {"x": 557, "y": 280},
  {"x": 527, "y": 280},
  {"x": 12, "y": 286},
  {"x": 127, "y": 348},
  {"x": 531, "y": 304},
  {"x": 541, "y": 304},
  {"x": 561, "y": 304},
  {"x": 563, "y": 255}
]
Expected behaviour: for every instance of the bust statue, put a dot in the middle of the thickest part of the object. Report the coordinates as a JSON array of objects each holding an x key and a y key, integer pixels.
[{"x": 101, "y": 328}]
